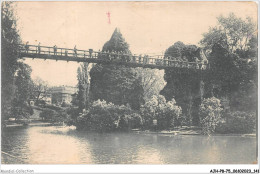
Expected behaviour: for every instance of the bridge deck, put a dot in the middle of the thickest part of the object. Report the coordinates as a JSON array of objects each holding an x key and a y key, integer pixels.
[{"x": 90, "y": 56}]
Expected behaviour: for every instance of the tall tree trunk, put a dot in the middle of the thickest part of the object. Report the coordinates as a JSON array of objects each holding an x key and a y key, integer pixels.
[
  {"x": 87, "y": 94},
  {"x": 190, "y": 103},
  {"x": 201, "y": 92},
  {"x": 86, "y": 84}
]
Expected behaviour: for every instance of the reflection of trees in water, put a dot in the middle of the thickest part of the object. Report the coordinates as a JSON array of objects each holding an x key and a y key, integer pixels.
[
  {"x": 121, "y": 148},
  {"x": 114, "y": 148},
  {"x": 52, "y": 145},
  {"x": 224, "y": 149},
  {"x": 168, "y": 149},
  {"x": 14, "y": 142}
]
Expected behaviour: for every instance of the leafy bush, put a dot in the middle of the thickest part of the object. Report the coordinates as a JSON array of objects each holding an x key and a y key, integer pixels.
[
  {"x": 64, "y": 104},
  {"x": 73, "y": 113},
  {"x": 165, "y": 112},
  {"x": 210, "y": 114},
  {"x": 54, "y": 116},
  {"x": 238, "y": 122},
  {"x": 47, "y": 114},
  {"x": 21, "y": 111},
  {"x": 103, "y": 117}
]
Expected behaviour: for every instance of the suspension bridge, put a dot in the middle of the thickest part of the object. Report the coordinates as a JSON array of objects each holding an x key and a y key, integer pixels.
[{"x": 119, "y": 58}]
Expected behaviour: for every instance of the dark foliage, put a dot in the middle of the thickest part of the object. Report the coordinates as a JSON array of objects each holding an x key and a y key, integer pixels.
[
  {"x": 166, "y": 113},
  {"x": 9, "y": 55},
  {"x": 16, "y": 76},
  {"x": 117, "y": 84},
  {"x": 54, "y": 116},
  {"x": 233, "y": 62},
  {"x": 106, "y": 117},
  {"x": 238, "y": 122}
]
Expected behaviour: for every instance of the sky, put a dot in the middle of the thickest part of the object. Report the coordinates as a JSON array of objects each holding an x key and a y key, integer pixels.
[{"x": 148, "y": 27}]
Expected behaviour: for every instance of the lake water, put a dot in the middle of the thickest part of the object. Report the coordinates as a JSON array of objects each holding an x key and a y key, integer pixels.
[{"x": 57, "y": 145}]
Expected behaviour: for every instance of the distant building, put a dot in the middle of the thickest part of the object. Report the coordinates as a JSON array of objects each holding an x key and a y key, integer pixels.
[{"x": 62, "y": 94}]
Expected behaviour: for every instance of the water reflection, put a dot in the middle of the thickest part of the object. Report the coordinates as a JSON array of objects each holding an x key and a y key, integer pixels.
[
  {"x": 148, "y": 155},
  {"x": 54, "y": 146},
  {"x": 57, "y": 145}
]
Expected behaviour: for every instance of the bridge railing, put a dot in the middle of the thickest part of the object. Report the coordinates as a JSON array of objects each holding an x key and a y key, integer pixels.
[
  {"x": 35, "y": 49},
  {"x": 111, "y": 56}
]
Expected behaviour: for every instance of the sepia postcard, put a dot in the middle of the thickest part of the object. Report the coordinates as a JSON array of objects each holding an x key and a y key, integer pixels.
[{"x": 90, "y": 83}]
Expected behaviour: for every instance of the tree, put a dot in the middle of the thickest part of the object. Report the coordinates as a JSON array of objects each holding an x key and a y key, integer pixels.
[
  {"x": 184, "y": 85},
  {"x": 224, "y": 71},
  {"x": 238, "y": 122},
  {"x": 103, "y": 117},
  {"x": 23, "y": 84},
  {"x": 54, "y": 116},
  {"x": 40, "y": 89},
  {"x": 210, "y": 114},
  {"x": 233, "y": 61},
  {"x": 151, "y": 80},
  {"x": 9, "y": 55},
  {"x": 113, "y": 83},
  {"x": 166, "y": 113},
  {"x": 233, "y": 78},
  {"x": 232, "y": 33},
  {"x": 83, "y": 85},
  {"x": 116, "y": 43},
  {"x": 180, "y": 51},
  {"x": 16, "y": 76}
]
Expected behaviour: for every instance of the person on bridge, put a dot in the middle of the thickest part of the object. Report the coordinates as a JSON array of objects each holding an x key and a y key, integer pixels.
[
  {"x": 27, "y": 47},
  {"x": 39, "y": 48},
  {"x": 140, "y": 58},
  {"x": 66, "y": 53},
  {"x": 75, "y": 51},
  {"x": 90, "y": 52},
  {"x": 55, "y": 50},
  {"x": 134, "y": 58}
]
